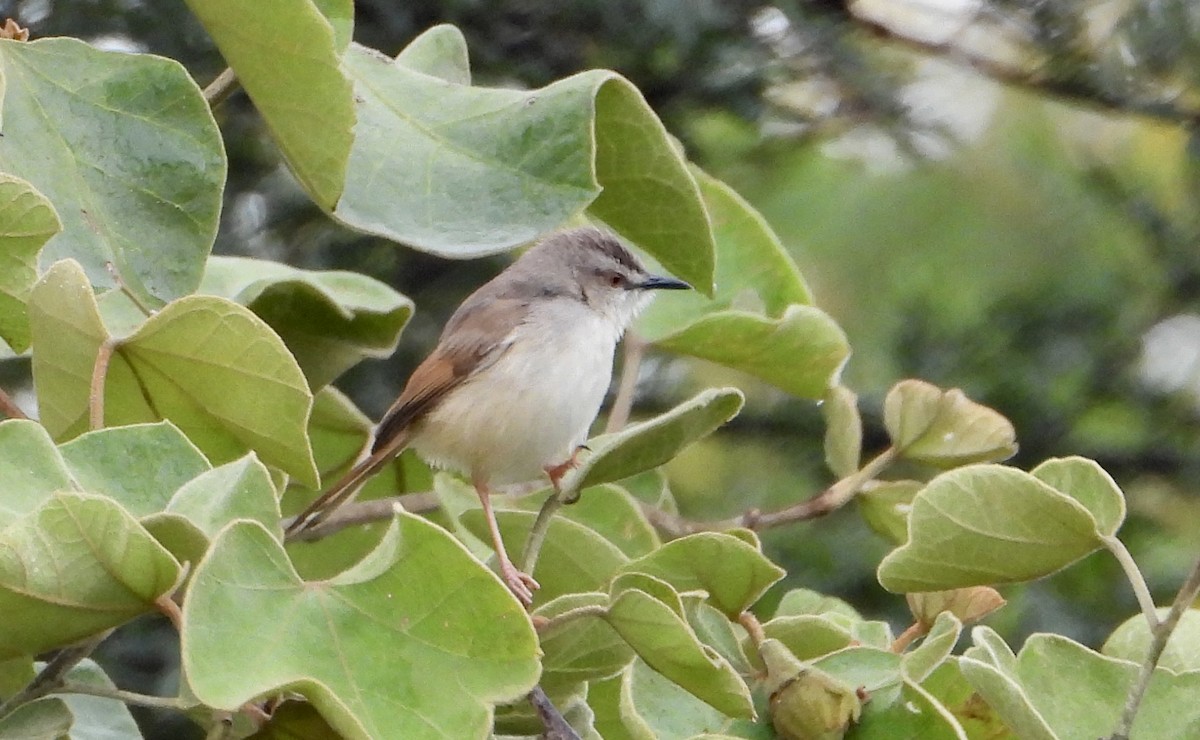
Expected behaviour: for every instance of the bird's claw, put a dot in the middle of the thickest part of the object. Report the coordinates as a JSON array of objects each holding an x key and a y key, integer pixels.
[{"x": 520, "y": 583}]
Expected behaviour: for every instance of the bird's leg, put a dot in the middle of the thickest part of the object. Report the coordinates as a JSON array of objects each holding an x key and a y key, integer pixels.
[
  {"x": 556, "y": 472},
  {"x": 521, "y": 584}
]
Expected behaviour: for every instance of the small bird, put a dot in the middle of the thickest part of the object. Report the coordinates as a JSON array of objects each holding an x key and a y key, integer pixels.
[{"x": 517, "y": 377}]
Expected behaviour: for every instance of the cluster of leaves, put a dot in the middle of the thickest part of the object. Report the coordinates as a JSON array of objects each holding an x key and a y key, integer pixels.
[{"x": 185, "y": 400}]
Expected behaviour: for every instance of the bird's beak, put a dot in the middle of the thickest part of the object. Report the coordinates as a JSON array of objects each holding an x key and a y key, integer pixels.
[{"x": 658, "y": 282}]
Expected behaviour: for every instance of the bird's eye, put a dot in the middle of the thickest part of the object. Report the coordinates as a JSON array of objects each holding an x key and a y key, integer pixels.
[{"x": 615, "y": 279}]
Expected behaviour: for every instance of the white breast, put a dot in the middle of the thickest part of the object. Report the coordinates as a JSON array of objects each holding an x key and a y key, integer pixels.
[{"x": 534, "y": 406}]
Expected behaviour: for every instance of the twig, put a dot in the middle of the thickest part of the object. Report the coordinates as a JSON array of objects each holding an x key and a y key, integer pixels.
[
  {"x": 1135, "y": 578},
  {"x": 1162, "y": 634},
  {"x": 366, "y": 512},
  {"x": 825, "y": 502},
  {"x": 9, "y": 407},
  {"x": 50, "y": 679},
  {"x": 915, "y": 630},
  {"x": 635, "y": 350},
  {"x": 219, "y": 90},
  {"x": 557, "y": 727},
  {"x": 129, "y": 697},
  {"x": 99, "y": 374}
]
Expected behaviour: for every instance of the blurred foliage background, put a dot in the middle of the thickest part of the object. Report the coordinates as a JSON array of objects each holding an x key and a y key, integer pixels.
[{"x": 1000, "y": 195}]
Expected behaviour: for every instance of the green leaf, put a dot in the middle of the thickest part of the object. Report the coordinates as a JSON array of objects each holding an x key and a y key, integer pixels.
[
  {"x": 573, "y": 558},
  {"x": 27, "y": 221},
  {"x": 415, "y": 640},
  {"x": 97, "y": 718},
  {"x": 809, "y": 636},
  {"x": 1079, "y": 693},
  {"x": 31, "y": 468},
  {"x": 616, "y": 516},
  {"x": 935, "y": 647},
  {"x": 294, "y": 720},
  {"x": 799, "y": 601},
  {"x": 987, "y": 524},
  {"x": 648, "y": 444},
  {"x": 285, "y": 54},
  {"x": 44, "y": 719},
  {"x": 580, "y": 649},
  {"x": 656, "y": 588},
  {"x": 208, "y": 365},
  {"x": 330, "y": 321},
  {"x": 666, "y": 708},
  {"x": 801, "y": 352},
  {"x": 733, "y": 573},
  {"x": 918, "y": 714},
  {"x": 612, "y": 702},
  {"x": 668, "y": 645},
  {"x": 138, "y": 466},
  {"x": 754, "y": 272},
  {"x": 945, "y": 428},
  {"x": 15, "y": 674},
  {"x": 66, "y": 333},
  {"x": 340, "y": 15},
  {"x": 1086, "y": 482},
  {"x": 440, "y": 52},
  {"x": 977, "y": 719},
  {"x": 116, "y": 572},
  {"x": 238, "y": 490},
  {"x": 128, "y": 152},
  {"x": 1131, "y": 641},
  {"x": 464, "y": 171},
  {"x": 716, "y": 631},
  {"x": 885, "y": 506},
  {"x": 843, "y": 431},
  {"x": 874, "y": 669}
]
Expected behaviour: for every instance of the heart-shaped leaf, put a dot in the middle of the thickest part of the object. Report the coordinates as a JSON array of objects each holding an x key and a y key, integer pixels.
[
  {"x": 329, "y": 320},
  {"x": 285, "y": 55},
  {"x": 241, "y": 489},
  {"x": 1086, "y": 482},
  {"x": 463, "y": 171},
  {"x": 945, "y": 427},
  {"x": 128, "y": 152},
  {"x": 116, "y": 572},
  {"x": 27, "y": 220},
  {"x": 987, "y": 524},
  {"x": 417, "y": 639}
]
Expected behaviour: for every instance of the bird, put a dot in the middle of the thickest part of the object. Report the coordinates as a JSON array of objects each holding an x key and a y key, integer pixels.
[{"x": 517, "y": 377}]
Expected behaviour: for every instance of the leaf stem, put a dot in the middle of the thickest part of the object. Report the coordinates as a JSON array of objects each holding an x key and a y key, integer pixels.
[
  {"x": 570, "y": 615},
  {"x": 634, "y": 351},
  {"x": 753, "y": 627},
  {"x": 1162, "y": 634},
  {"x": 99, "y": 375},
  {"x": 537, "y": 533},
  {"x": 9, "y": 407},
  {"x": 915, "y": 630},
  {"x": 826, "y": 502},
  {"x": 1134, "y": 575},
  {"x": 129, "y": 697},
  {"x": 50, "y": 679},
  {"x": 219, "y": 90}
]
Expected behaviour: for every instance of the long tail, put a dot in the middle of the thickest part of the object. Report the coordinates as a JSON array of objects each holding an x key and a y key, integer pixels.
[{"x": 342, "y": 491}]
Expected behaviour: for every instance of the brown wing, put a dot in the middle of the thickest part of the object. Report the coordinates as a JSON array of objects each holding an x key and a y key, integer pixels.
[{"x": 475, "y": 337}]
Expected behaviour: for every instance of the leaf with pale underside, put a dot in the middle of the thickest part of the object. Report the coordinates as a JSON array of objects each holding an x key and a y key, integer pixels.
[
  {"x": 116, "y": 572},
  {"x": 666, "y": 642},
  {"x": 935, "y": 647},
  {"x": 463, "y": 171},
  {"x": 984, "y": 525},
  {"x": 1086, "y": 482},
  {"x": 285, "y": 54},
  {"x": 128, "y": 152},
  {"x": 945, "y": 428},
  {"x": 843, "y": 431},
  {"x": 97, "y": 718},
  {"x": 1132, "y": 639},
  {"x": 580, "y": 649},
  {"x": 648, "y": 444},
  {"x": 45, "y": 719},
  {"x": 329, "y": 320},
  {"x": 31, "y": 468},
  {"x": 27, "y": 221},
  {"x": 417, "y": 639}
]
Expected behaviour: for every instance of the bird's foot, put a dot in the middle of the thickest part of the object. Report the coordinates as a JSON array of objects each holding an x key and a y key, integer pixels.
[
  {"x": 519, "y": 582},
  {"x": 556, "y": 472}
]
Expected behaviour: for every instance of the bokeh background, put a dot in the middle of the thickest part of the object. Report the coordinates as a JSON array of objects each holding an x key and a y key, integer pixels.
[{"x": 998, "y": 195}]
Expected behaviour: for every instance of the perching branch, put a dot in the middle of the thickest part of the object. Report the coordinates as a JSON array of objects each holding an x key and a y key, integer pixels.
[
  {"x": 9, "y": 407},
  {"x": 128, "y": 697},
  {"x": 219, "y": 90},
  {"x": 555, "y": 725},
  {"x": 1162, "y": 634}
]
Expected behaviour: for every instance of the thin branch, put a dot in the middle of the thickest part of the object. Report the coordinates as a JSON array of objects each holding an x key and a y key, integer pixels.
[
  {"x": 541, "y": 525},
  {"x": 1162, "y": 634},
  {"x": 556, "y": 726},
  {"x": 219, "y": 90},
  {"x": 99, "y": 374},
  {"x": 9, "y": 407},
  {"x": 634, "y": 351},
  {"x": 579, "y": 612},
  {"x": 826, "y": 502},
  {"x": 366, "y": 512},
  {"x": 129, "y": 697},
  {"x": 1135, "y": 578},
  {"x": 915, "y": 630},
  {"x": 50, "y": 679}
]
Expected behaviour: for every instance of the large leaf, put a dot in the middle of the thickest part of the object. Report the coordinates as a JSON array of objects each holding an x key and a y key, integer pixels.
[
  {"x": 126, "y": 149},
  {"x": 416, "y": 640},
  {"x": 208, "y": 365},
  {"x": 77, "y": 565},
  {"x": 285, "y": 55},
  {"x": 27, "y": 220},
  {"x": 648, "y": 444},
  {"x": 1086, "y": 482},
  {"x": 987, "y": 524},
  {"x": 579, "y": 649},
  {"x": 329, "y": 320},
  {"x": 31, "y": 468},
  {"x": 463, "y": 171},
  {"x": 1132, "y": 639},
  {"x": 945, "y": 427}
]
